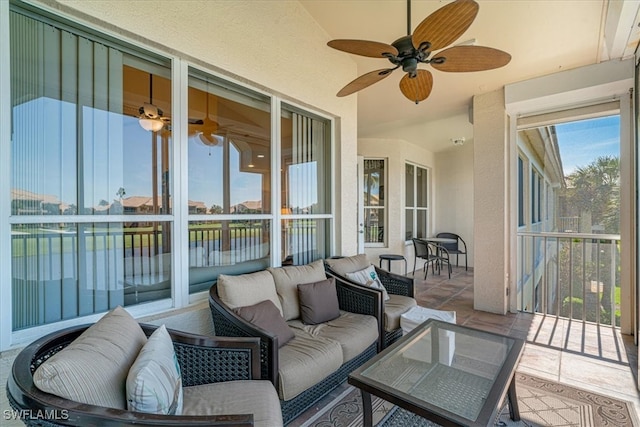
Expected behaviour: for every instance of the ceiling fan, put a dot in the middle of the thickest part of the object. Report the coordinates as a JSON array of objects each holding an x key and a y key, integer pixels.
[
  {"x": 435, "y": 32},
  {"x": 151, "y": 118}
]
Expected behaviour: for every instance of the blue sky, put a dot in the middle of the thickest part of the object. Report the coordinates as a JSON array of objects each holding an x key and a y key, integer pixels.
[{"x": 583, "y": 141}]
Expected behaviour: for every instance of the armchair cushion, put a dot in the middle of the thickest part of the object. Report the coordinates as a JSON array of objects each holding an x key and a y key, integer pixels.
[
  {"x": 248, "y": 289},
  {"x": 112, "y": 343},
  {"x": 345, "y": 265},
  {"x": 318, "y": 301},
  {"x": 393, "y": 310},
  {"x": 255, "y": 397},
  {"x": 154, "y": 383},
  {"x": 266, "y": 316},
  {"x": 287, "y": 280},
  {"x": 369, "y": 277}
]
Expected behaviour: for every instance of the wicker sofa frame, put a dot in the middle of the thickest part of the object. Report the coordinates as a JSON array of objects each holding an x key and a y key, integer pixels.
[
  {"x": 394, "y": 284},
  {"x": 355, "y": 299},
  {"x": 203, "y": 360}
]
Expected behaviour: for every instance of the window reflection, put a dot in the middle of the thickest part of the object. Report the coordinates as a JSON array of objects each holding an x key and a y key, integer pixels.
[{"x": 229, "y": 149}]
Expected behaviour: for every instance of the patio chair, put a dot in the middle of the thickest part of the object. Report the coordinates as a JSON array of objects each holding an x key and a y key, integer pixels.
[
  {"x": 422, "y": 250},
  {"x": 442, "y": 257},
  {"x": 457, "y": 248}
]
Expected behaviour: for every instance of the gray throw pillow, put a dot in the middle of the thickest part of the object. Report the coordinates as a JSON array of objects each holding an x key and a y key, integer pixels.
[
  {"x": 318, "y": 301},
  {"x": 266, "y": 315}
]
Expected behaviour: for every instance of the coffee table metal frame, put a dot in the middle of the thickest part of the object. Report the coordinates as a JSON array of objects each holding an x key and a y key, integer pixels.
[{"x": 504, "y": 383}]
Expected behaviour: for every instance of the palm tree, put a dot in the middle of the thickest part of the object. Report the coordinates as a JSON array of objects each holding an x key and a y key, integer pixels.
[{"x": 595, "y": 188}]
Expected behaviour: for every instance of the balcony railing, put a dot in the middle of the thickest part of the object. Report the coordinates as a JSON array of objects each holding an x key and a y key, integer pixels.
[{"x": 570, "y": 275}]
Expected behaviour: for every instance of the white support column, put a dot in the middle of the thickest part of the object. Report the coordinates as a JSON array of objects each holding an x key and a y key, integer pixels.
[
  {"x": 491, "y": 202},
  {"x": 179, "y": 188}
]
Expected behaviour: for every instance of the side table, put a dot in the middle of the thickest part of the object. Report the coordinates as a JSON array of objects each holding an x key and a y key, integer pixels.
[{"x": 393, "y": 257}]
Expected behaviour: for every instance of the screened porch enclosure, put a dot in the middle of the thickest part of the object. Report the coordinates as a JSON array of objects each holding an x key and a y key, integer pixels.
[{"x": 569, "y": 242}]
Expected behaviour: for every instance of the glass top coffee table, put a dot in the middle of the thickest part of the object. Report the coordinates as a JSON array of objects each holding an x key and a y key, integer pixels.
[{"x": 449, "y": 374}]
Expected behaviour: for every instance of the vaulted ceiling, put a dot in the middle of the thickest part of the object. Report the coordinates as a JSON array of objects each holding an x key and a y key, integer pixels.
[{"x": 542, "y": 36}]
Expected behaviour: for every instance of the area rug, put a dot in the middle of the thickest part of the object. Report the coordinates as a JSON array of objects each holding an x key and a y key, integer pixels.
[{"x": 541, "y": 402}]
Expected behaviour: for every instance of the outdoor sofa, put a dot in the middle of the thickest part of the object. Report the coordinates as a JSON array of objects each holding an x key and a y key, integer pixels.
[
  {"x": 397, "y": 291},
  {"x": 304, "y": 358},
  {"x": 219, "y": 378}
]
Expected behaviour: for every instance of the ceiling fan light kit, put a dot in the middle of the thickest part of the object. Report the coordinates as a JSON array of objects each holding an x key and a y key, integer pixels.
[
  {"x": 435, "y": 32},
  {"x": 150, "y": 118}
]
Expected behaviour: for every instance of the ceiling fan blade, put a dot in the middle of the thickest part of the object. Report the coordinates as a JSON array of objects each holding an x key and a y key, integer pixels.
[
  {"x": 196, "y": 121},
  {"x": 417, "y": 88},
  {"x": 471, "y": 58},
  {"x": 445, "y": 25},
  {"x": 364, "y": 81},
  {"x": 364, "y": 47}
]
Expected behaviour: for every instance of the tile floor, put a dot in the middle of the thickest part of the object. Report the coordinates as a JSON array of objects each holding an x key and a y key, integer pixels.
[{"x": 579, "y": 354}]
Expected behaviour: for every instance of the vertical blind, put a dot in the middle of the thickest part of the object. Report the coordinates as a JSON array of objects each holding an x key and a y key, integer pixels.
[
  {"x": 67, "y": 133},
  {"x": 306, "y": 181}
]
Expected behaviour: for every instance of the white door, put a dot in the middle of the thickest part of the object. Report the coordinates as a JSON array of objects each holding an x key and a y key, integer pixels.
[{"x": 360, "y": 227}]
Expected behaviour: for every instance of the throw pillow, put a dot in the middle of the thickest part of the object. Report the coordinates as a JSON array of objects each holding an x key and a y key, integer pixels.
[
  {"x": 287, "y": 279},
  {"x": 93, "y": 368},
  {"x": 318, "y": 301},
  {"x": 247, "y": 289},
  {"x": 345, "y": 265},
  {"x": 369, "y": 277},
  {"x": 266, "y": 316},
  {"x": 154, "y": 383}
]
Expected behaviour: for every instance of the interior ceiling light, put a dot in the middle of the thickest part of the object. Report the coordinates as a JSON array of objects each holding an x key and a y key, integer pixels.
[
  {"x": 150, "y": 118},
  {"x": 435, "y": 32}
]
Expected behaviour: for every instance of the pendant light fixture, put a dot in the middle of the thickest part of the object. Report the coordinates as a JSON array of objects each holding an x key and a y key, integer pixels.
[{"x": 150, "y": 118}]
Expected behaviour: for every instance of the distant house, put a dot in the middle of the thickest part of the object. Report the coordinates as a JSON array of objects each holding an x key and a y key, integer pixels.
[
  {"x": 24, "y": 202},
  {"x": 249, "y": 206},
  {"x": 144, "y": 205}
]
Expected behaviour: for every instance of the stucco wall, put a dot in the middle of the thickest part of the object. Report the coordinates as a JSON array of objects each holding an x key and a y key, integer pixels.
[
  {"x": 490, "y": 203},
  {"x": 454, "y": 193},
  {"x": 397, "y": 152},
  {"x": 275, "y": 46}
]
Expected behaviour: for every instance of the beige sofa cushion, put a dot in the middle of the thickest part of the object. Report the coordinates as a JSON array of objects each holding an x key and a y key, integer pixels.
[
  {"x": 112, "y": 344},
  {"x": 287, "y": 280},
  {"x": 235, "y": 397},
  {"x": 342, "y": 266},
  {"x": 248, "y": 289},
  {"x": 354, "y": 332},
  {"x": 304, "y": 362},
  {"x": 394, "y": 307}
]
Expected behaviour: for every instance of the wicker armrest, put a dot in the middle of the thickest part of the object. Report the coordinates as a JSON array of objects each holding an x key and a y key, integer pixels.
[
  {"x": 228, "y": 324},
  {"x": 31, "y": 405},
  {"x": 207, "y": 360},
  {"x": 356, "y": 298},
  {"x": 360, "y": 299},
  {"x": 396, "y": 284}
]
